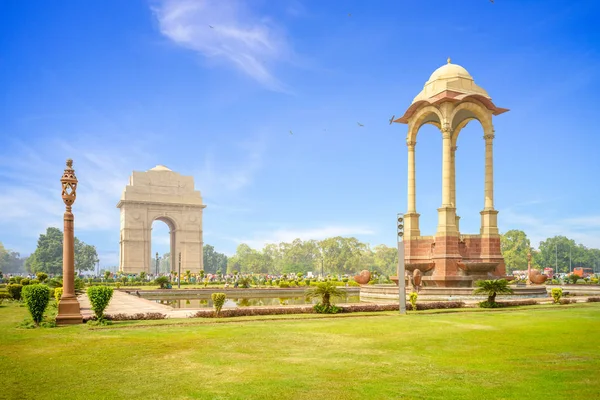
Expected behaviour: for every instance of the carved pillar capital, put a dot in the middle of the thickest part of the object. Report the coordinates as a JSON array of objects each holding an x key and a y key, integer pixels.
[
  {"x": 411, "y": 144},
  {"x": 489, "y": 136},
  {"x": 446, "y": 131}
]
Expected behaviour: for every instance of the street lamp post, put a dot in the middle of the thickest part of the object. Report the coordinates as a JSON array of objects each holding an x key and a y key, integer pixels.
[
  {"x": 570, "y": 265},
  {"x": 556, "y": 257},
  {"x": 179, "y": 273},
  {"x": 401, "y": 273},
  {"x": 157, "y": 263}
]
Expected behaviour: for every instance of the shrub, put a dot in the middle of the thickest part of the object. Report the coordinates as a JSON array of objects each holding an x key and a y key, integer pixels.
[
  {"x": 78, "y": 284},
  {"x": 284, "y": 284},
  {"x": 36, "y": 299},
  {"x": 491, "y": 288},
  {"x": 307, "y": 282},
  {"x": 55, "y": 282},
  {"x": 42, "y": 276},
  {"x": 15, "y": 290},
  {"x": 34, "y": 282},
  {"x": 436, "y": 305},
  {"x": 326, "y": 309},
  {"x": 163, "y": 281},
  {"x": 325, "y": 291},
  {"x": 58, "y": 294},
  {"x": 573, "y": 278},
  {"x": 244, "y": 282},
  {"x": 556, "y": 295},
  {"x": 515, "y": 303},
  {"x": 5, "y": 296},
  {"x": 567, "y": 301},
  {"x": 413, "y": 300},
  {"x": 593, "y": 299},
  {"x": 487, "y": 304},
  {"x": 25, "y": 281},
  {"x": 99, "y": 298},
  {"x": 218, "y": 301}
]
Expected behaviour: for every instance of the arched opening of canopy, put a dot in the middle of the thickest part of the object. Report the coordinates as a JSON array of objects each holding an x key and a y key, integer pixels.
[
  {"x": 162, "y": 243},
  {"x": 428, "y": 175}
]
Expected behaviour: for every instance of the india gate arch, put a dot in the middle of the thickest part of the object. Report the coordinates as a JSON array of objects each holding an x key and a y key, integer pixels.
[
  {"x": 450, "y": 100},
  {"x": 160, "y": 194}
]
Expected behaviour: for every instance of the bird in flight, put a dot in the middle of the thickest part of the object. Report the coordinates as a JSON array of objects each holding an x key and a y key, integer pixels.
[
  {"x": 211, "y": 27},
  {"x": 392, "y": 119},
  {"x": 291, "y": 133},
  {"x": 359, "y": 124},
  {"x": 349, "y": 14}
]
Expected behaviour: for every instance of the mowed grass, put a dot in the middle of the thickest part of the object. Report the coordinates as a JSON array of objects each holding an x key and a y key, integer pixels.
[{"x": 543, "y": 353}]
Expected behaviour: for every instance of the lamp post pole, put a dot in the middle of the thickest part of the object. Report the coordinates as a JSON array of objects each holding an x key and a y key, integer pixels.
[
  {"x": 556, "y": 257},
  {"x": 69, "y": 311},
  {"x": 179, "y": 273},
  {"x": 570, "y": 265},
  {"x": 401, "y": 273},
  {"x": 157, "y": 263}
]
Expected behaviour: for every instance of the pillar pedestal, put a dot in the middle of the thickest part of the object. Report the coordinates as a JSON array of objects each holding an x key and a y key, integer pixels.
[
  {"x": 69, "y": 312},
  {"x": 411, "y": 225},
  {"x": 447, "y": 222},
  {"x": 489, "y": 223}
]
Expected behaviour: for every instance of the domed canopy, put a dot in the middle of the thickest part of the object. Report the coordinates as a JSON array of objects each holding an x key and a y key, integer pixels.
[
  {"x": 450, "y": 82},
  {"x": 449, "y": 70},
  {"x": 450, "y": 77},
  {"x": 160, "y": 168}
]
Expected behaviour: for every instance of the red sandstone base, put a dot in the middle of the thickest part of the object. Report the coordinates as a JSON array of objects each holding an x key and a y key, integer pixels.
[
  {"x": 69, "y": 312},
  {"x": 454, "y": 261}
]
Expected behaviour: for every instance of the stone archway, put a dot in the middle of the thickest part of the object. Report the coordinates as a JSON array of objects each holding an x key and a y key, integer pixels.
[{"x": 164, "y": 195}]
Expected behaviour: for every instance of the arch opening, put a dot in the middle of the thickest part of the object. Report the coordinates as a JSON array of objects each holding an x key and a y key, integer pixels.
[{"x": 162, "y": 244}]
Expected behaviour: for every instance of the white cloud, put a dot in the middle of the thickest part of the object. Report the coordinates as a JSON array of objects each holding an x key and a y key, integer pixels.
[
  {"x": 216, "y": 177},
  {"x": 249, "y": 42},
  {"x": 259, "y": 239}
]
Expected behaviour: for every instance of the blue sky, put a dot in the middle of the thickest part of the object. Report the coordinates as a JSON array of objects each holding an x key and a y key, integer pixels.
[{"x": 126, "y": 85}]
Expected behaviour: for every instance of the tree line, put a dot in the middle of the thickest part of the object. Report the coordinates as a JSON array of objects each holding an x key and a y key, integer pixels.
[
  {"x": 559, "y": 253},
  {"x": 336, "y": 255},
  {"x": 48, "y": 256}
]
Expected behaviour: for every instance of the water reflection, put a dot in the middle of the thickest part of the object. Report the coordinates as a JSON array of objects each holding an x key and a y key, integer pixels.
[{"x": 249, "y": 301}]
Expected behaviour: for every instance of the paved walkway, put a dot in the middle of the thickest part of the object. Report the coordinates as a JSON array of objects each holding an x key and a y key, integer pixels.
[{"x": 123, "y": 303}]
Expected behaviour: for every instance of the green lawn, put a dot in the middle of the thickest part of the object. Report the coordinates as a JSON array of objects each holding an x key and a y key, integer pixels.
[{"x": 542, "y": 353}]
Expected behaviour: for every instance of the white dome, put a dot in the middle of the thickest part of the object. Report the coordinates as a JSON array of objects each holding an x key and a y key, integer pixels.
[{"x": 160, "y": 168}]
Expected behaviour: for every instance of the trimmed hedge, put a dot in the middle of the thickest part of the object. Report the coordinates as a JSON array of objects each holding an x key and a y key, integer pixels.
[
  {"x": 14, "y": 289},
  {"x": 567, "y": 301},
  {"x": 129, "y": 317},
  {"x": 593, "y": 299},
  {"x": 36, "y": 299},
  {"x": 307, "y": 309},
  {"x": 99, "y": 298}
]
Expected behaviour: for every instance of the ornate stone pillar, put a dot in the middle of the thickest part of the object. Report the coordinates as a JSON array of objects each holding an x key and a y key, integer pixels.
[
  {"x": 453, "y": 183},
  {"x": 412, "y": 206},
  {"x": 411, "y": 218},
  {"x": 68, "y": 308},
  {"x": 489, "y": 216},
  {"x": 489, "y": 171},
  {"x": 447, "y": 213}
]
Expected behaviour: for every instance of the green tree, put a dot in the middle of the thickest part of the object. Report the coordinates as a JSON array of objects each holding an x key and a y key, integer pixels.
[
  {"x": 555, "y": 251},
  {"x": 515, "y": 246},
  {"x": 47, "y": 257},
  {"x": 213, "y": 260},
  {"x": 386, "y": 259},
  {"x": 10, "y": 261},
  {"x": 86, "y": 256}
]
